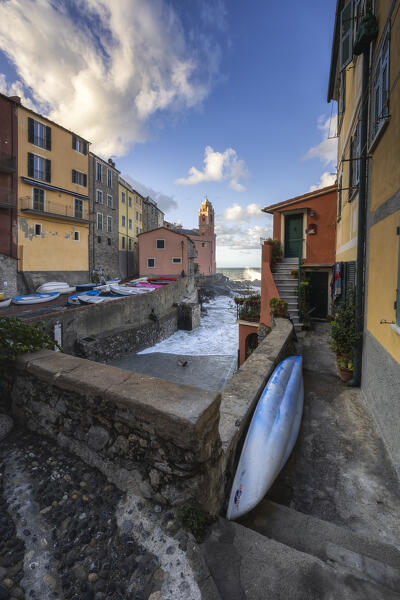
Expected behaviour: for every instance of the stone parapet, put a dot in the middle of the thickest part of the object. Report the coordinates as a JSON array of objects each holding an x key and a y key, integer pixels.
[{"x": 158, "y": 438}]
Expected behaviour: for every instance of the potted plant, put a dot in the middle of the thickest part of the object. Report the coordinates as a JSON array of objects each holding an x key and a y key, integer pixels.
[
  {"x": 294, "y": 273},
  {"x": 279, "y": 307},
  {"x": 344, "y": 337}
]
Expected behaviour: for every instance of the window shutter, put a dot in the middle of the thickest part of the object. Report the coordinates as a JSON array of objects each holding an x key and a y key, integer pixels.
[
  {"x": 84, "y": 180},
  {"x": 349, "y": 279},
  {"x": 30, "y": 164},
  {"x": 48, "y": 170},
  {"x": 73, "y": 176},
  {"x": 31, "y": 130},
  {"x": 84, "y": 148},
  {"x": 346, "y": 38},
  {"x": 398, "y": 282},
  {"x": 351, "y": 170},
  {"x": 74, "y": 142},
  {"x": 48, "y": 138}
]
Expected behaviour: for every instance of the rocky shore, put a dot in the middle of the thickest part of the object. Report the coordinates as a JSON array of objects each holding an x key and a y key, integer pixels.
[{"x": 67, "y": 533}]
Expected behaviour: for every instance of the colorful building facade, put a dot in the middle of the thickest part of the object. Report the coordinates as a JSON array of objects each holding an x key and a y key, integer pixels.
[
  {"x": 130, "y": 226},
  {"x": 166, "y": 252},
  {"x": 364, "y": 82},
  {"x": 53, "y": 202}
]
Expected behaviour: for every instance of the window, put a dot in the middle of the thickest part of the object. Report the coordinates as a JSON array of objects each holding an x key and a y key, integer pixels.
[
  {"x": 109, "y": 241},
  {"x": 109, "y": 224},
  {"x": 130, "y": 223},
  {"x": 38, "y": 199},
  {"x": 123, "y": 243},
  {"x": 137, "y": 230},
  {"x": 203, "y": 244},
  {"x": 79, "y": 145},
  {"x": 380, "y": 89},
  {"x": 340, "y": 195},
  {"x": 77, "y": 236},
  {"x": 130, "y": 244},
  {"x": 99, "y": 196},
  {"x": 39, "y": 134},
  {"x": 140, "y": 217},
  {"x": 346, "y": 35},
  {"x": 78, "y": 208},
  {"x": 177, "y": 260},
  {"x": 39, "y": 167},
  {"x": 160, "y": 244},
  {"x": 109, "y": 177},
  {"x": 151, "y": 263},
  {"x": 354, "y": 164},
  {"x": 100, "y": 221},
  {"x": 79, "y": 177},
  {"x": 137, "y": 216},
  {"x": 123, "y": 197},
  {"x": 38, "y": 229},
  {"x": 123, "y": 221},
  {"x": 98, "y": 171},
  {"x": 99, "y": 239},
  {"x": 130, "y": 201},
  {"x": 109, "y": 201}
]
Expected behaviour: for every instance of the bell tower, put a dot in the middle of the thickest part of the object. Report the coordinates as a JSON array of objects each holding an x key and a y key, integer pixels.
[{"x": 206, "y": 219}]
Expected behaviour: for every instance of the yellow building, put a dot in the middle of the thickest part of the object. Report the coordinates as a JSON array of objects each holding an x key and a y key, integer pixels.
[
  {"x": 130, "y": 225},
  {"x": 365, "y": 82},
  {"x": 53, "y": 211}
]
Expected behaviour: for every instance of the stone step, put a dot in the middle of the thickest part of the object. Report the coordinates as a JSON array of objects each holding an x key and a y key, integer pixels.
[
  {"x": 364, "y": 557},
  {"x": 246, "y": 565},
  {"x": 291, "y": 261}
]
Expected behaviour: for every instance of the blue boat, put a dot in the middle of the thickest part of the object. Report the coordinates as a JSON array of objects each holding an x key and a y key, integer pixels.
[
  {"x": 270, "y": 438},
  {"x": 35, "y": 298}
]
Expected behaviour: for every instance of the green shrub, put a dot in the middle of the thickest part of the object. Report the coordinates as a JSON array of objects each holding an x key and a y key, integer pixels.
[
  {"x": 195, "y": 520},
  {"x": 276, "y": 251},
  {"x": 344, "y": 336},
  {"x": 279, "y": 307},
  {"x": 17, "y": 337}
]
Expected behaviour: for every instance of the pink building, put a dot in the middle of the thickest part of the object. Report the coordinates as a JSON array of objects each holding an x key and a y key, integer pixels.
[
  {"x": 203, "y": 238},
  {"x": 165, "y": 252}
]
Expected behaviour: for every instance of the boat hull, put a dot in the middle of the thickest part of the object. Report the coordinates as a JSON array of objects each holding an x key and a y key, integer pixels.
[
  {"x": 35, "y": 298},
  {"x": 270, "y": 438}
]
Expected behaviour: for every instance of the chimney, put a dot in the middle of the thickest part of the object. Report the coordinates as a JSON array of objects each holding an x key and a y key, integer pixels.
[{"x": 16, "y": 99}]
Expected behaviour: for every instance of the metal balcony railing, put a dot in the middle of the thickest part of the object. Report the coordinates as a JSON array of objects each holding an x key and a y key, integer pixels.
[
  {"x": 7, "y": 198},
  {"x": 8, "y": 164},
  {"x": 248, "y": 309},
  {"x": 51, "y": 207}
]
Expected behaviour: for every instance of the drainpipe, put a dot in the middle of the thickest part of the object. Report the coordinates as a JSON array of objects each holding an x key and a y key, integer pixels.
[{"x": 362, "y": 201}]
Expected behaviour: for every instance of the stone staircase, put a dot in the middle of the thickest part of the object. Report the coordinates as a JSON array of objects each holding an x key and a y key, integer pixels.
[{"x": 287, "y": 286}]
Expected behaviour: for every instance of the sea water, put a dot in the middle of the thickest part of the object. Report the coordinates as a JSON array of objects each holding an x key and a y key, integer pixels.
[
  {"x": 218, "y": 333},
  {"x": 240, "y": 273}
]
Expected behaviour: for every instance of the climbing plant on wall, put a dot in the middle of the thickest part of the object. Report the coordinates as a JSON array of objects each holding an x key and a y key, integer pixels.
[{"x": 17, "y": 337}]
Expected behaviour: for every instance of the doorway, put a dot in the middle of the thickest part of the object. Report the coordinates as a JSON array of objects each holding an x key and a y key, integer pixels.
[
  {"x": 293, "y": 235},
  {"x": 318, "y": 293}
]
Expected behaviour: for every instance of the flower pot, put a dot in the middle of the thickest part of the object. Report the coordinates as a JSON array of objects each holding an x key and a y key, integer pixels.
[{"x": 344, "y": 373}]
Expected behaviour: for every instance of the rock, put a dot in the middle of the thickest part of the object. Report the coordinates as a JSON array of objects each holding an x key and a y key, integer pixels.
[
  {"x": 6, "y": 424},
  {"x": 120, "y": 446},
  {"x": 50, "y": 581},
  {"x": 154, "y": 596},
  {"x": 154, "y": 477},
  {"x": 97, "y": 437},
  {"x": 93, "y": 577},
  {"x": 79, "y": 572},
  {"x": 4, "y": 594},
  {"x": 8, "y": 583}
]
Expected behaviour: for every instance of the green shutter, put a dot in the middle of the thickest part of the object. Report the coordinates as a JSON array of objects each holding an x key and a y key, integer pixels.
[
  {"x": 48, "y": 138},
  {"x": 346, "y": 35},
  {"x": 84, "y": 180},
  {"x": 48, "y": 170},
  {"x": 84, "y": 148},
  {"x": 74, "y": 142},
  {"x": 30, "y": 164},
  {"x": 73, "y": 176},
  {"x": 31, "y": 130}
]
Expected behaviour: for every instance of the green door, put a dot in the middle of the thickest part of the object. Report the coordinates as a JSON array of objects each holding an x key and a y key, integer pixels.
[{"x": 293, "y": 235}]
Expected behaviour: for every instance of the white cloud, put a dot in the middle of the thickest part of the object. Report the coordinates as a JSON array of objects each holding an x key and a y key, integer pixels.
[
  {"x": 164, "y": 202},
  {"x": 243, "y": 238},
  {"x": 218, "y": 166},
  {"x": 103, "y": 69},
  {"x": 240, "y": 213},
  {"x": 326, "y": 150},
  {"x": 325, "y": 180}
]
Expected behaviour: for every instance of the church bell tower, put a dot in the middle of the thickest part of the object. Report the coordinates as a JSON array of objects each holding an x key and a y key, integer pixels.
[{"x": 206, "y": 219}]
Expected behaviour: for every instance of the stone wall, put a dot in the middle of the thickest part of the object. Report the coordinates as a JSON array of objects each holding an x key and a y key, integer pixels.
[
  {"x": 8, "y": 273},
  {"x": 117, "y": 318},
  {"x": 152, "y": 436}
]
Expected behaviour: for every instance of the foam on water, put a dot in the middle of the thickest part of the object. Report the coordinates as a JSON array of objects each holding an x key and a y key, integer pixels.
[{"x": 217, "y": 334}]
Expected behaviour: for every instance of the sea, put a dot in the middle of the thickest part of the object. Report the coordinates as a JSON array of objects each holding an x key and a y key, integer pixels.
[{"x": 240, "y": 273}]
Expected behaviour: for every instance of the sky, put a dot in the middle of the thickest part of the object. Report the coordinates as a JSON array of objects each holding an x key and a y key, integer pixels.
[{"x": 191, "y": 98}]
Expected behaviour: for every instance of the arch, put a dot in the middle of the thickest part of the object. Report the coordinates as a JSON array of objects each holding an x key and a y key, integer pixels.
[{"x": 251, "y": 343}]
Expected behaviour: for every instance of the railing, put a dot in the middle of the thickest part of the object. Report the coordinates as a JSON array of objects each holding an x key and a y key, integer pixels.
[
  {"x": 54, "y": 208},
  {"x": 7, "y": 198},
  {"x": 7, "y": 163},
  {"x": 299, "y": 297}
]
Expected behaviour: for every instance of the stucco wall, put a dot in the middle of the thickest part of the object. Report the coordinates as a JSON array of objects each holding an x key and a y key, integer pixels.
[{"x": 176, "y": 246}]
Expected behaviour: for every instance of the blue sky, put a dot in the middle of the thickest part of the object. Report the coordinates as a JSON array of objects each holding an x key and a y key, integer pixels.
[{"x": 161, "y": 86}]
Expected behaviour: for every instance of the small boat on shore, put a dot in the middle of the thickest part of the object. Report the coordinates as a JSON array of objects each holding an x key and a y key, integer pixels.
[
  {"x": 4, "y": 302},
  {"x": 124, "y": 290},
  {"x": 55, "y": 286},
  {"x": 270, "y": 438},
  {"x": 83, "y": 287},
  {"x": 35, "y": 298}
]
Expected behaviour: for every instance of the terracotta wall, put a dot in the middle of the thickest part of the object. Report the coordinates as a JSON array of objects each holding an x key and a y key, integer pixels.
[
  {"x": 163, "y": 257},
  {"x": 320, "y": 247}
]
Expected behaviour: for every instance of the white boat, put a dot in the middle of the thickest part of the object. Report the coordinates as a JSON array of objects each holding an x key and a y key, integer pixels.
[
  {"x": 4, "y": 302},
  {"x": 53, "y": 286},
  {"x": 270, "y": 438},
  {"x": 35, "y": 298},
  {"x": 124, "y": 290}
]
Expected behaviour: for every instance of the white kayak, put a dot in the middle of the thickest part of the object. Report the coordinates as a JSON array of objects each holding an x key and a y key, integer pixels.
[
  {"x": 128, "y": 291},
  {"x": 53, "y": 286},
  {"x": 35, "y": 298},
  {"x": 4, "y": 302},
  {"x": 270, "y": 438}
]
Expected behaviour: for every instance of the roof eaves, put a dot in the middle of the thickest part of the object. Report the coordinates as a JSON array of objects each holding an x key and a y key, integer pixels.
[{"x": 334, "y": 53}]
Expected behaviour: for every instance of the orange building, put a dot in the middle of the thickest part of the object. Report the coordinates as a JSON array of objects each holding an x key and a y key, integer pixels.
[{"x": 165, "y": 252}]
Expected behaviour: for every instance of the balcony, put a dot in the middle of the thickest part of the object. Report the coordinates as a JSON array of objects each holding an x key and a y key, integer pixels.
[
  {"x": 8, "y": 164},
  {"x": 248, "y": 308},
  {"x": 49, "y": 208},
  {"x": 7, "y": 198}
]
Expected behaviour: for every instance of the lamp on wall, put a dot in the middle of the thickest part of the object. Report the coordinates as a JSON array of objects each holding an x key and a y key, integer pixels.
[{"x": 311, "y": 212}]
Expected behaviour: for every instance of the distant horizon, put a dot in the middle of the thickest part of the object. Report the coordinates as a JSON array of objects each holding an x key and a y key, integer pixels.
[{"x": 240, "y": 268}]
